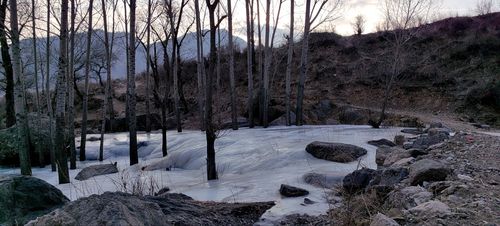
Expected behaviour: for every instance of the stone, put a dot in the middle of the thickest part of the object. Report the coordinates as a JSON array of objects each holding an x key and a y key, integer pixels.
[
  {"x": 436, "y": 125},
  {"x": 399, "y": 140},
  {"x": 395, "y": 155},
  {"x": 23, "y": 198},
  {"x": 241, "y": 121},
  {"x": 336, "y": 152},
  {"x": 430, "y": 209},
  {"x": 162, "y": 191},
  {"x": 358, "y": 180},
  {"x": 382, "y": 220},
  {"x": 96, "y": 170},
  {"x": 351, "y": 116},
  {"x": 381, "y": 142},
  {"x": 291, "y": 191},
  {"x": 415, "y": 152},
  {"x": 407, "y": 197},
  {"x": 413, "y": 131},
  {"x": 322, "y": 180},
  {"x": 403, "y": 162},
  {"x": 308, "y": 201},
  {"x": 389, "y": 177},
  {"x": 428, "y": 170},
  {"x": 281, "y": 121},
  {"x": 116, "y": 208},
  {"x": 425, "y": 141},
  {"x": 381, "y": 154}
]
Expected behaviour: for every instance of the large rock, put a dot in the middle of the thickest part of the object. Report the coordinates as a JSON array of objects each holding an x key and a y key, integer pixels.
[
  {"x": 281, "y": 121},
  {"x": 430, "y": 209},
  {"x": 291, "y": 191},
  {"x": 407, "y": 197},
  {"x": 386, "y": 156},
  {"x": 358, "y": 180},
  {"x": 336, "y": 152},
  {"x": 351, "y": 116},
  {"x": 381, "y": 142},
  {"x": 413, "y": 131},
  {"x": 24, "y": 198},
  {"x": 168, "y": 209},
  {"x": 383, "y": 220},
  {"x": 39, "y": 130},
  {"x": 427, "y": 140},
  {"x": 96, "y": 170},
  {"x": 389, "y": 177},
  {"x": 428, "y": 170}
]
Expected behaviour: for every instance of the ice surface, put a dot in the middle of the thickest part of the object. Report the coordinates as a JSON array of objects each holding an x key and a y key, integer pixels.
[{"x": 252, "y": 164}]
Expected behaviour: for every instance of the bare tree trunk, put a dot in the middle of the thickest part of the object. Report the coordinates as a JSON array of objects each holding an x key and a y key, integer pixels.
[
  {"x": 86, "y": 91},
  {"x": 303, "y": 63},
  {"x": 267, "y": 64},
  {"x": 175, "y": 63},
  {"x": 148, "y": 65},
  {"x": 289, "y": 66},
  {"x": 234, "y": 110},
  {"x": 200, "y": 69},
  {"x": 38, "y": 111},
  {"x": 110, "y": 108},
  {"x": 260, "y": 65},
  {"x": 71, "y": 91},
  {"x": 10, "y": 113},
  {"x": 209, "y": 124},
  {"x": 62, "y": 159},
  {"x": 47, "y": 88},
  {"x": 134, "y": 159},
  {"x": 20, "y": 101},
  {"x": 108, "y": 81},
  {"x": 249, "y": 20}
]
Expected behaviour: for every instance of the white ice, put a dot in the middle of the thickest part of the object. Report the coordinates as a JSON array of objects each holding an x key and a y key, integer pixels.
[{"x": 252, "y": 164}]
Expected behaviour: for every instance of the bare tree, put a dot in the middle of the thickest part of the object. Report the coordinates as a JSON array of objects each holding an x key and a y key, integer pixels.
[
  {"x": 401, "y": 19},
  {"x": 250, "y": 47},
  {"x": 35, "y": 75},
  {"x": 289, "y": 66},
  {"x": 62, "y": 159},
  {"x": 322, "y": 11},
  {"x": 47, "y": 90},
  {"x": 134, "y": 159},
  {"x": 148, "y": 66},
  {"x": 234, "y": 113},
  {"x": 20, "y": 101},
  {"x": 359, "y": 24},
  {"x": 200, "y": 67},
  {"x": 83, "y": 139},
  {"x": 10, "y": 113},
  {"x": 484, "y": 7},
  {"x": 71, "y": 91}
]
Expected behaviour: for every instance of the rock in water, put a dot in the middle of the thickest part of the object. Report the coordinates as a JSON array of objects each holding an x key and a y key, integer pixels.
[
  {"x": 291, "y": 191},
  {"x": 24, "y": 198},
  {"x": 383, "y": 220},
  {"x": 335, "y": 152},
  {"x": 96, "y": 170},
  {"x": 382, "y": 142},
  {"x": 116, "y": 208},
  {"x": 428, "y": 170}
]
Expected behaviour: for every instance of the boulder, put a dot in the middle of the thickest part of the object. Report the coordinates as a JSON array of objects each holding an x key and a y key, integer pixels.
[
  {"x": 291, "y": 191},
  {"x": 415, "y": 152},
  {"x": 116, "y": 208},
  {"x": 9, "y": 155},
  {"x": 395, "y": 154},
  {"x": 358, "y": 180},
  {"x": 241, "y": 121},
  {"x": 403, "y": 162},
  {"x": 322, "y": 180},
  {"x": 23, "y": 198},
  {"x": 399, "y": 140},
  {"x": 383, "y": 220},
  {"x": 425, "y": 141},
  {"x": 407, "y": 197},
  {"x": 428, "y": 170},
  {"x": 389, "y": 177},
  {"x": 323, "y": 110},
  {"x": 436, "y": 125},
  {"x": 96, "y": 170},
  {"x": 351, "y": 116},
  {"x": 382, "y": 142},
  {"x": 430, "y": 209},
  {"x": 281, "y": 121},
  {"x": 381, "y": 154},
  {"x": 336, "y": 152}
]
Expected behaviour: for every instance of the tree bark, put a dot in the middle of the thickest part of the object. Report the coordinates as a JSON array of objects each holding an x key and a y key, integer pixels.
[
  {"x": 10, "y": 113},
  {"x": 62, "y": 159},
  {"x": 134, "y": 159},
  {"x": 37, "y": 101},
  {"x": 250, "y": 60},
  {"x": 289, "y": 66},
  {"x": 267, "y": 63},
  {"x": 200, "y": 67},
  {"x": 148, "y": 65},
  {"x": 83, "y": 139},
  {"x": 303, "y": 64},
  {"x": 234, "y": 110},
  {"x": 20, "y": 101}
]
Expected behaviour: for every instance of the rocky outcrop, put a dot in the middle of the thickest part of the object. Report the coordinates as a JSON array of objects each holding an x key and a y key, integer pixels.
[
  {"x": 23, "y": 198},
  {"x": 335, "y": 152},
  {"x": 168, "y": 209},
  {"x": 291, "y": 191},
  {"x": 382, "y": 180},
  {"x": 428, "y": 170},
  {"x": 358, "y": 180},
  {"x": 96, "y": 170}
]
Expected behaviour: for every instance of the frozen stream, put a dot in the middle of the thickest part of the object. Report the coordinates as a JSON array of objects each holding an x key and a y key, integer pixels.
[{"x": 252, "y": 163}]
